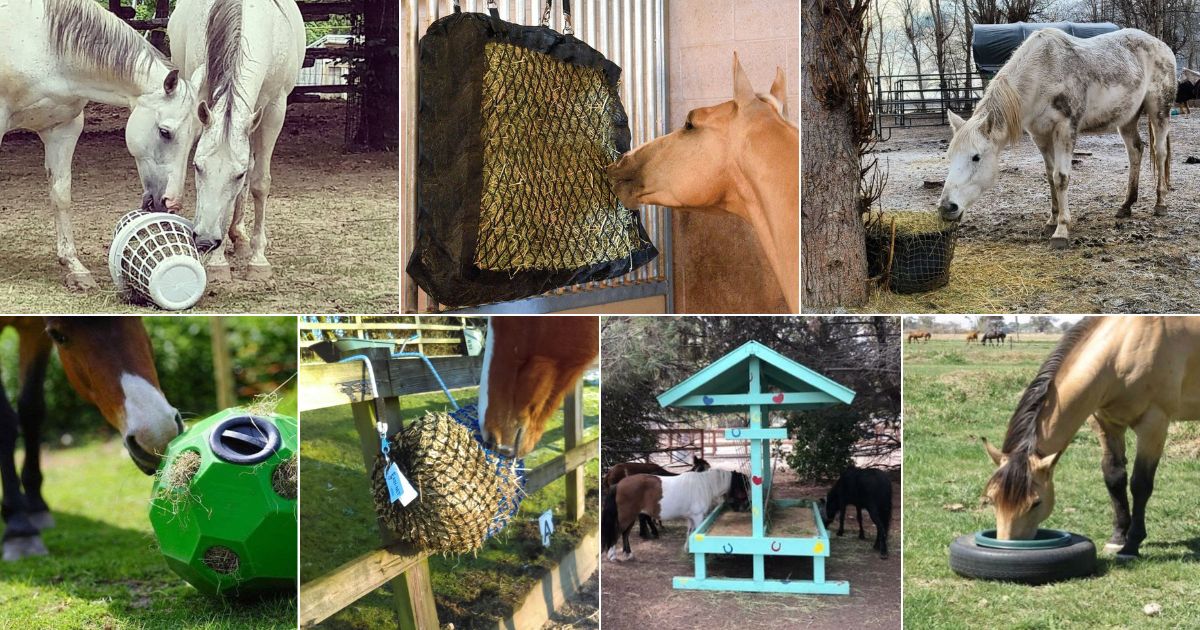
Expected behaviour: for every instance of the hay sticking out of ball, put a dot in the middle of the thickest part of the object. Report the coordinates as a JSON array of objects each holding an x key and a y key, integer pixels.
[
  {"x": 463, "y": 491},
  {"x": 264, "y": 404},
  {"x": 221, "y": 559},
  {"x": 183, "y": 470},
  {"x": 283, "y": 480},
  {"x": 909, "y": 251}
]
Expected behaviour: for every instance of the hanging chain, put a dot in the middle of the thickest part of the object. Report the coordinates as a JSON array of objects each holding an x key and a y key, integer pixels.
[
  {"x": 546, "y": 13},
  {"x": 568, "y": 28}
]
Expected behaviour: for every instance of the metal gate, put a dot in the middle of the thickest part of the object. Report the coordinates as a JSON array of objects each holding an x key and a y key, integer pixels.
[
  {"x": 921, "y": 100},
  {"x": 631, "y": 33}
]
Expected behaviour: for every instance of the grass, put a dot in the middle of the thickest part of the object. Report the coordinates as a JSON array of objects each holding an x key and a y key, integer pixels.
[
  {"x": 104, "y": 570},
  {"x": 338, "y": 521},
  {"x": 953, "y": 394}
]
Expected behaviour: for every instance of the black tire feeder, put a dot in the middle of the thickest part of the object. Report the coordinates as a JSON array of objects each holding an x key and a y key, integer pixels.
[{"x": 1052, "y": 556}]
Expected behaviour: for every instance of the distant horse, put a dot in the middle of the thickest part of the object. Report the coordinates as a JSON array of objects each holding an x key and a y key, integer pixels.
[
  {"x": 920, "y": 335},
  {"x": 973, "y": 336},
  {"x": 1056, "y": 87},
  {"x": 529, "y": 365},
  {"x": 109, "y": 362},
  {"x": 646, "y": 526},
  {"x": 55, "y": 57},
  {"x": 740, "y": 157},
  {"x": 864, "y": 488},
  {"x": 997, "y": 336},
  {"x": 1137, "y": 373},
  {"x": 1188, "y": 89},
  {"x": 690, "y": 495},
  {"x": 249, "y": 54}
]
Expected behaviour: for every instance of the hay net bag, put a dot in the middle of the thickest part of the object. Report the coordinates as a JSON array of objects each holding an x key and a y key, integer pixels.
[
  {"x": 515, "y": 125},
  {"x": 466, "y": 492}
]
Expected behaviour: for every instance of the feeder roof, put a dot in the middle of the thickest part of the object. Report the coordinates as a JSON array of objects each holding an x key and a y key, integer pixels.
[{"x": 723, "y": 386}]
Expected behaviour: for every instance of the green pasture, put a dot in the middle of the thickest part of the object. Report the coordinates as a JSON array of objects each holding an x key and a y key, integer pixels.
[
  {"x": 337, "y": 521},
  {"x": 954, "y": 393}
]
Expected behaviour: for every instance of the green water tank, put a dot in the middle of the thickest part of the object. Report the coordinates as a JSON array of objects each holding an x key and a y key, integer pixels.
[{"x": 224, "y": 504}]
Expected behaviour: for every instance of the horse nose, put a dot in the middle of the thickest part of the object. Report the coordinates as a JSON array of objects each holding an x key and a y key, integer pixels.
[
  {"x": 205, "y": 245},
  {"x": 146, "y": 461},
  {"x": 172, "y": 205},
  {"x": 507, "y": 450}
]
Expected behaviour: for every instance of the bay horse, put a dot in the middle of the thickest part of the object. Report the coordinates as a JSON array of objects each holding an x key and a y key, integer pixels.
[
  {"x": 864, "y": 488},
  {"x": 973, "y": 336},
  {"x": 920, "y": 335},
  {"x": 248, "y": 55},
  {"x": 1124, "y": 372},
  {"x": 998, "y": 336},
  {"x": 56, "y": 56},
  {"x": 529, "y": 365},
  {"x": 1055, "y": 87},
  {"x": 110, "y": 363},
  {"x": 690, "y": 495},
  {"x": 740, "y": 157},
  {"x": 646, "y": 526}
]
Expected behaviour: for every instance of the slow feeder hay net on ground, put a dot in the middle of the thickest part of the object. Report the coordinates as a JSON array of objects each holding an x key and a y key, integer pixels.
[
  {"x": 909, "y": 251},
  {"x": 465, "y": 492}
]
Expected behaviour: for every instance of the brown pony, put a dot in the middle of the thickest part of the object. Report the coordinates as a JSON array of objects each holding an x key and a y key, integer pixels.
[
  {"x": 920, "y": 335},
  {"x": 973, "y": 336},
  {"x": 740, "y": 157},
  {"x": 109, "y": 363},
  {"x": 529, "y": 364},
  {"x": 1124, "y": 372}
]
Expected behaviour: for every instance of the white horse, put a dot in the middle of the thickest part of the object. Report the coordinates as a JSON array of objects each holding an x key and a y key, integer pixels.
[
  {"x": 55, "y": 56},
  {"x": 1055, "y": 87},
  {"x": 249, "y": 53}
]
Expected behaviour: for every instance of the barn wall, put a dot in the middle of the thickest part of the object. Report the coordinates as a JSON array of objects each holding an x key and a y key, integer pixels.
[{"x": 714, "y": 268}]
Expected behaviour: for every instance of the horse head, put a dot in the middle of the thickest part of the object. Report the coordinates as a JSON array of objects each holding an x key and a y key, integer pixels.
[
  {"x": 159, "y": 135},
  {"x": 738, "y": 497},
  {"x": 974, "y": 152},
  {"x": 110, "y": 363},
  {"x": 1021, "y": 490},
  {"x": 699, "y": 464},
  {"x": 223, "y": 163}
]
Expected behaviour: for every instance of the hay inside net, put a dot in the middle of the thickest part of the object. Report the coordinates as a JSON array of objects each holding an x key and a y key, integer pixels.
[
  {"x": 284, "y": 479},
  {"x": 465, "y": 493},
  {"x": 221, "y": 559},
  {"x": 546, "y": 202},
  {"x": 909, "y": 251}
]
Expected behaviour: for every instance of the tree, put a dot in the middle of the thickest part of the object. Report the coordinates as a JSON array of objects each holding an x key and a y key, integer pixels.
[
  {"x": 1041, "y": 323},
  {"x": 376, "y": 77}
]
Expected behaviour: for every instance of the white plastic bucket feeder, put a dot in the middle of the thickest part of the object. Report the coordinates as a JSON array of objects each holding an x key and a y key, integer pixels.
[{"x": 153, "y": 258}]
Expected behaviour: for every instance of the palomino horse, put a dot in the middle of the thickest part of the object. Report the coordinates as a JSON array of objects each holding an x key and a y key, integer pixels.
[
  {"x": 1055, "y": 87},
  {"x": 249, "y": 53},
  {"x": 646, "y": 526},
  {"x": 690, "y": 495},
  {"x": 56, "y": 56},
  {"x": 110, "y": 363},
  {"x": 1136, "y": 373},
  {"x": 998, "y": 336},
  {"x": 739, "y": 157},
  {"x": 920, "y": 335},
  {"x": 973, "y": 336},
  {"x": 529, "y": 364}
]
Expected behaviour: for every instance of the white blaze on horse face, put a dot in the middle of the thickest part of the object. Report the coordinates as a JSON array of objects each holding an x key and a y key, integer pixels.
[
  {"x": 149, "y": 418},
  {"x": 486, "y": 370},
  {"x": 159, "y": 136},
  {"x": 974, "y": 164},
  {"x": 222, "y": 163}
]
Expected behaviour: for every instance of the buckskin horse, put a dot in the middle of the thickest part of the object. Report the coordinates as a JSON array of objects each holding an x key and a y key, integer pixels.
[
  {"x": 740, "y": 157},
  {"x": 529, "y": 364},
  {"x": 646, "y": 526},
  {"x": 690, "y": 495},
  {"x": 110, "y": 363},
  {"x": 1125, "y": 372}
]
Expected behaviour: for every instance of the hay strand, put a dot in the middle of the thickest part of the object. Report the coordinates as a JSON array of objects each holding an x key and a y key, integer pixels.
[
  {"x": 221, "y": 559},
  {"x": 284, "y": 479}
]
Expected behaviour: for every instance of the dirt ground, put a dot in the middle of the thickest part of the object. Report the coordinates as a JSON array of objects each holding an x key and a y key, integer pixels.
[
  {"x": 637, "y": 594},
  {"x": 581, "y": 612},
  {"x": 332, "y": 220},
  {"x": 1139, "y": 264}
]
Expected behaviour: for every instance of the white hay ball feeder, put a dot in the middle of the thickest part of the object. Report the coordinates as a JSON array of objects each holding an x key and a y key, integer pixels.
[{"x": 153, "y": 258}]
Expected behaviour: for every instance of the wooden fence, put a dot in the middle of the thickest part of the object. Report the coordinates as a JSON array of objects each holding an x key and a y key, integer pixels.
[
  {"x": 398, "y": 330},
  {"x": 406, "y": 569}
]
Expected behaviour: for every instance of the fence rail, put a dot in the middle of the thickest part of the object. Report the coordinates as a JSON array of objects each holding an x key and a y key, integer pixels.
[{"x": 922, "y": 100}]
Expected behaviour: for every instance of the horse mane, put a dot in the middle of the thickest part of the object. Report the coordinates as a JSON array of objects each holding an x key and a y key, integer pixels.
[
  {"x": 97, "y": 41},
  {"x": 224, "y": 36},
  {"x": 1000, "y": 105},
  {"x": 1013, "y": 481},
  {"x": 707, "y": 485}
]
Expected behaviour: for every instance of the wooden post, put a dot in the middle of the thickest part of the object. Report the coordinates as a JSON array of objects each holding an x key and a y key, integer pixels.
[
  {"x": 222, "y": 363},
  {"x": 158, "y": 37},
  {"x": 573, "y": 432}
]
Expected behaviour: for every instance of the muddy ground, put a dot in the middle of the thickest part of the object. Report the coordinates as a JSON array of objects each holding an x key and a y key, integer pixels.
[
  {"x": 637, "y": 594},
  {"x": 332, "y": 221},
  {"x": 1139, "y": 264}
]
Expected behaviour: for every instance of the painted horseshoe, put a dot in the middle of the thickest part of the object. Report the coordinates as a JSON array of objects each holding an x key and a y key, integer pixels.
[
  {"x": 727, "y": 548},
  {"x": 735, "y": 432},
  {"x": 776, "y": 545}
]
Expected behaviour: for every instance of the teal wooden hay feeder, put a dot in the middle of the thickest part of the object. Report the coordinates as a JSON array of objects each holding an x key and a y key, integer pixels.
[
  {"x": 742, "y": 382},
  {"x": 224, "y": 504}
]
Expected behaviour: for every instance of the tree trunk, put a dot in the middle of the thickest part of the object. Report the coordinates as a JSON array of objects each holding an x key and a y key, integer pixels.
[{"x": 834, "y": 266}]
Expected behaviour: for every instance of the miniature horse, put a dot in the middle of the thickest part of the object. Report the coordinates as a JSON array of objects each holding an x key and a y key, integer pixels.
[
  {"x": 690, "y": 495},
  {"x": 867, "y": 488},
  {"x": 110, "y": 363},
  {"x": 529, "y": 364},
  {"x": 646, "y": 526}
]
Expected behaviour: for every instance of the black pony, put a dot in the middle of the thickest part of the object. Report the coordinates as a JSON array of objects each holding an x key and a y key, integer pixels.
[{"x": 864, "y": 488}]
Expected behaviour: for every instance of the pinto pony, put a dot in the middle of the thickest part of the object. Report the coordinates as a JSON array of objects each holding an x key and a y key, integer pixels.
[
  {"x": 646, "y": 526},
  {"x": 529, "y": 364},
  {"x": 109, "y": 363},
  {"x": 1138, "y": 373},
  {"x": 690, "y": 495},
  {"x": 1056, "y": 87},
  {"x": 740, "y": 157}
]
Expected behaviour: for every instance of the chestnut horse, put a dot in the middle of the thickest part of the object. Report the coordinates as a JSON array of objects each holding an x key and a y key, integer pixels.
[
  {"x": 973, "y": 336},
  {"x": 109, "y": 362},
  {"x": 646, "y": 526},
  {"x": 920, "y": 335},
  {"x": 1125, "y": 372},
  {"x": 529, "y": 364},
  {"x": 740, "y": 157}
]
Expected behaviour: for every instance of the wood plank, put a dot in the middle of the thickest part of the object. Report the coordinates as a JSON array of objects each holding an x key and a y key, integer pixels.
[
  {"x": 322, "y": 597},
  {"x": 332, "y": 384},
  {"x": 550, "y": 471},
  {"x": 573, "y": 434},
  {"x": 557, "y": 585},
  {"x": 375, "y": 326},
  {"x": 412, "y": 376},
  {"x": 414, "y": 599}
]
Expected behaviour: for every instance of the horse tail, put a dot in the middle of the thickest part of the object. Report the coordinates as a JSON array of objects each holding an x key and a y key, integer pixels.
[{"x": 608, "y": 520}]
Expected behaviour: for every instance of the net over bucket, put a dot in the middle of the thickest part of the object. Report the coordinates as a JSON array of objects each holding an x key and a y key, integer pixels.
[{"x": 153, "y": 259}]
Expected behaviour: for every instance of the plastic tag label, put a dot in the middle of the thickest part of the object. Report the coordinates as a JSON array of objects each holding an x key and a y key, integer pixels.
[
  {"x": 546, "y": 525},
  {"x": 399, "y": 489}
]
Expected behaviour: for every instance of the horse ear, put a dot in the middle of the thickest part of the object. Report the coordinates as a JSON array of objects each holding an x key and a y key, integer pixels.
[
  {"x": 1045, "y": 463},
  {"x": 779, "y": 90},
  {"x": 171, "y": 82},
  {"x": 955, "y": 120},
  {"x": 743, "y": 92},
  {"x": 203, "y": 113},
  {"x": 992, "y": 451}
]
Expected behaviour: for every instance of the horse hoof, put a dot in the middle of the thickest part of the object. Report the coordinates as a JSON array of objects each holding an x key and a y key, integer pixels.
[
  {"x": 1160, "y": 211},
  {"x": 42, "y": 520},
  {"x": 1059, "y": 243},
  {"x": 258, "y": 272},
  {"x": 1125, "y": 557},
  {"x": 24, "y": 547},
  {"x": 218, "y": 273},
  {"x": 1048, "y": 230},
  {"x": 1124, "y": 213},
  {"x": 81, "y": 281}
]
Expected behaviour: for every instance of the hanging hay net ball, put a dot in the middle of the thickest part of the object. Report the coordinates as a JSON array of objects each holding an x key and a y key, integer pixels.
[
  {"x": 153, "y": 260},
  {"x": 909, "y": 251},
  {"x": 466, "y": 493}
]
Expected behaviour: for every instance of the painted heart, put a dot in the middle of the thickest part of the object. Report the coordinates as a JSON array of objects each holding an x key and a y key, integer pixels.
[
  {"x": 707, "y": 400},
  {"x": 757, "y": 480},
  {"x": 778, "y": 398}
]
